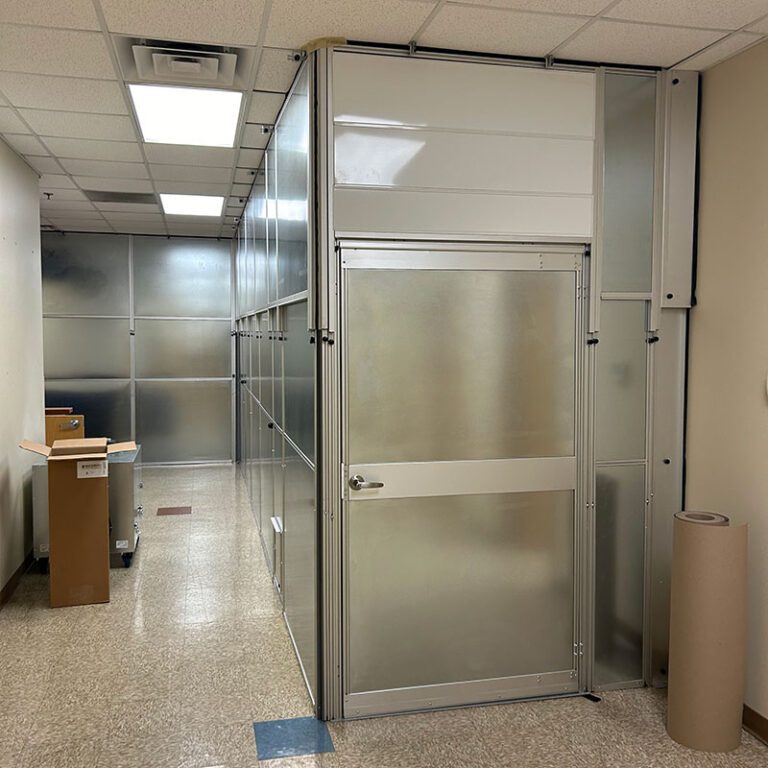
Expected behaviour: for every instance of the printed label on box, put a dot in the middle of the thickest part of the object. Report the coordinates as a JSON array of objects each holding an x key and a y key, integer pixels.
[
  {"x": 92, "y": 468},
  {"x": 121, "y": 544}
]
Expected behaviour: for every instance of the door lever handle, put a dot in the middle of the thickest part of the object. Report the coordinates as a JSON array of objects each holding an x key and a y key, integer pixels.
[{"x": 359, "y": 483}]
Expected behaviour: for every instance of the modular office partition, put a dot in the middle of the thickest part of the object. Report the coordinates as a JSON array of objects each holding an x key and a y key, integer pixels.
[{"x": 459, "y": 328}]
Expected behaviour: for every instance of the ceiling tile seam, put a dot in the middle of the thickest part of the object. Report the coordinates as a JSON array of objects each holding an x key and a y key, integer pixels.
[
  {"x": 59, "y": 77},
  {"x": 255, "y": 66},
  {"x": 71, "y": 111},
  {"x": 425, "y": 24},
  {"x": 760, "y": 39},
  {"x": 529, "y": 11},
  {"x": 20, "y": 117},
  {"x": 636, "y": 23},
  {"x": 80, "y": 138},
  {"x": 124, "y": 90},
  {"x": 47, "y": 26},
  {"x": 581, "y": 29}
]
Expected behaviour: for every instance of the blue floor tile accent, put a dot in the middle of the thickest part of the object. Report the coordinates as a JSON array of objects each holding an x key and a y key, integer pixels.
[{"x": 290, "y": 738}]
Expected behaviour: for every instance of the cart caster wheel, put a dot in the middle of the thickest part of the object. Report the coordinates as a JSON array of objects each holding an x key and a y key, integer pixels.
[{"x": 127, "y": 558}]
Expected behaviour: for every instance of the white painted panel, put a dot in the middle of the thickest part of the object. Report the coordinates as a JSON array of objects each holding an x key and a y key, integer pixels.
[
  {"x": 450, "y": 160},
  {"x": 384, "y": 211},
  {"x": 450, "y": 478},
  {"x": 387, "y": 90}
]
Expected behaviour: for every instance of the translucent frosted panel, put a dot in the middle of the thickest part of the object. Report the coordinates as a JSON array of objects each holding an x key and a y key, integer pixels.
[
  {"x": 85, "y": 274},
  {"x": 460, "y": 365},
  {"x": 277, "y": 362},
  {"x": 459, "y": 588},
  {"x": 300, "y": 560},
  {"x": 292, "y": 142},
  {"x": 619, "y": 554},
  {"x": 299, "y": 375},
  {"x": 240, "y": 271},
  {"x": 630, "y": 124},
  {"x": 259, "y": 194},
  {"x": 252, "y": 466},
  {"x": 77, "y": 348},
  {"x": 106, "y": 405},
  {"x": 266, "y": 368},
  {"x": 621, "y": 381},
  {"x": 272, "y": 223},
  {"x": 183, "y": 348},
  {"x": 184, "y": 420},
  {"x": 267, "y": 485},
  {"x": 181, "y": 277}
]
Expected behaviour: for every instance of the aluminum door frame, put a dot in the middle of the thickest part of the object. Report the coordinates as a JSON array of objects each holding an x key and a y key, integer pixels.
[{"x": 455, "y": 256}]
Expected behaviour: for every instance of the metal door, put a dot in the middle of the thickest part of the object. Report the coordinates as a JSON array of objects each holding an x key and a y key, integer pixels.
[{"x": 461, "y": 427}]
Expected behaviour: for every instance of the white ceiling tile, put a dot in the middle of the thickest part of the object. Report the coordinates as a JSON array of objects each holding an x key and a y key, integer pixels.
[
  {"x": 241, "y": 190},
  {"x": 44, "y": 164},
  {"x": 74, "y": 205},
  {"x": 580, "y": 7},
  {"x": 203, "y": 221},
  {"x": 250, "y": 158},
  {"x": 236, "y": 203},
  {"x": 90, "y": 213},
  {"x": 80, "y": 125},
  {"x": 231, "y": 22},
  {"x": 64, "y": 220},
  {"x": 292, "y": 23},
  {"x": 85, "y": 226},
  {"x": 105, "y": 169},
  {"x": 201, "y": 230},
  {"x": 91, "y": 149},
  {"x": 254, "y": 137},
  {"x": 25, "y": 144},
  {"x": 135, "y": 207},
  {"x": 177, "y": 154},
  {"x": 139, "y": 228},
  {"x": 133, "y": 216},
  {"x": 190, "y": 173},
  {"x": 761, "y": 27},
  {"x": 619, "y": 43},
  {"x": 69, "y": 94},
  {"x": 720, "y": 51},
  {"x": 70, "y": 14},
  {"x": 96, "y": 183},
  {"x": 63, "y": 194},
  {"x": 54, "y": 181},
  {"x": 192, "y": 188},
  {"x": 244, "y": 176},
  {"x": 54, "y": 52},
  {"x": 495, "y": 30},
  {"x": 691, "y": 13},
  {"x": 277, "y": 69},
  {"x": 10, "y": 123},
  {"x": 264, "y": 107}
]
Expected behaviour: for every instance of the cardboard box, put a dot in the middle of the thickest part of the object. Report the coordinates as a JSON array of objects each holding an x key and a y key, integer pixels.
[
  {"x": 78, "y": 518},
  {"x": 64, "y": 427}
]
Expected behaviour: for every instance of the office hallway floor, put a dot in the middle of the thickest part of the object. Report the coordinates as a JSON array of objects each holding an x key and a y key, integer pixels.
[{"x": 192, "y": 650}]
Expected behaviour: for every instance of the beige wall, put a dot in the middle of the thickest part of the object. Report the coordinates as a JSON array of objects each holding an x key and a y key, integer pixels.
[
  {"x": 727, "y": 449},
  {"x": 21, "y": 353}
]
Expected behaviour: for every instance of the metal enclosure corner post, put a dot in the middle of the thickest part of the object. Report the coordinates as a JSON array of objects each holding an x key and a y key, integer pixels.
[
  {"x": 659, "y": 194},
  {"x": 596, "y": 250},
  {"x": 330, "y": 699}
]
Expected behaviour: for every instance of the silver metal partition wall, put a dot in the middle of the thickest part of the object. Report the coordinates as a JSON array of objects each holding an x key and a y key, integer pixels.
[
  {"x": 277, "y": 370},
  {"x": 137, "y": 334},
  {"x": 420, "y": 214}
]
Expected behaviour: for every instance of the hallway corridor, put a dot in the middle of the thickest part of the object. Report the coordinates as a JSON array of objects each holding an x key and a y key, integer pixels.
[{"x": 192, "y": 649}]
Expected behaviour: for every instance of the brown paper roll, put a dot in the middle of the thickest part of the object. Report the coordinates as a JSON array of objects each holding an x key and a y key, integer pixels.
[{"x": 708, "y": 632}]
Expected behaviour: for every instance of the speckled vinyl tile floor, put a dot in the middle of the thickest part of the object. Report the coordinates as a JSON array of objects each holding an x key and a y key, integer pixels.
[{"x": 192, "y": 649}]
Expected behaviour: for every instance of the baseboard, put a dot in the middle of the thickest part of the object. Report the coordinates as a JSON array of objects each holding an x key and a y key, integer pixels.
[
  {"x": 7, "y": 591},
  {"x": 755, "y": 723}
]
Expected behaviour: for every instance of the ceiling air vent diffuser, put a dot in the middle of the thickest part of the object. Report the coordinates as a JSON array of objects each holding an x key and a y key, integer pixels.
[{"x": 162, "y": 61}]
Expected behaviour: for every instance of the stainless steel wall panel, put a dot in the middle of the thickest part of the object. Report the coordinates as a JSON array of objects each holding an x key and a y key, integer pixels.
[
  {"x": 83, "y": 348},
  {"x": 292, "y": 149},
  {"x": 267, "y": 486},
  {"x": 429, "y": 159},
  {"x": 619, "y": 574},
  {"x": 185, "y": 348},
  {"x": 259, "y": 193},
  {"x": 621, "y": 381},
  {"x": 459, "y": 588},
  {"x": 299, "y": 379},
  {"x": 300, "y": 567},
  {"x": 455, "y": 390},
  {"x": 446, "y": 214},
  {"x": 85, "y": 274},
  {"x": 630, "y": 125},
  {"x": 181, "y": 277},
  {"x": 252, "y": 468},
  {"x": 370, "y": 89},
  {"x": 105, "y": 404},
  {"x": 266, "y": 364},
  {"x": 184, "y": 420},
  {"x": 271, "y": 158}
]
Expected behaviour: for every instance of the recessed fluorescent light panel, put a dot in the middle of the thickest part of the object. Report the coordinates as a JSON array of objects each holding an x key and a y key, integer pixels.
[
  {"x": 201, "y": 116},
  {"x": 192, "y": 205}
]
